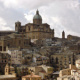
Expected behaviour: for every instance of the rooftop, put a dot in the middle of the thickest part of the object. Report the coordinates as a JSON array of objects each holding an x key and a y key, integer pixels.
[
  {"x": 32, "y": 75},
  {"x": 6, "y": 76}
]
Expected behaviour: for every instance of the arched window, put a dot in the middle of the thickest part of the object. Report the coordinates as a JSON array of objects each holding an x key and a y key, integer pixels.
[
  {"x": 56, "y": 60},
  {"x": 52, "y": 59},
  {"x": 29, "y": 28}
]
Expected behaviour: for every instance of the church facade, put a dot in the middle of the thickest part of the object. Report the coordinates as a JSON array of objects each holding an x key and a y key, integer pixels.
[{"x": 35, "y": 30}]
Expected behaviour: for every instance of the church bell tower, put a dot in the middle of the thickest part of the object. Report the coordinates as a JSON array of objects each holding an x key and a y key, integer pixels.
[{"x": 63, "y": 35}]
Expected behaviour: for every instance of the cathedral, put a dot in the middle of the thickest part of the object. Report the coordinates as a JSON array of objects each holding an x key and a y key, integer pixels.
[{"x": 35, "y": 30}]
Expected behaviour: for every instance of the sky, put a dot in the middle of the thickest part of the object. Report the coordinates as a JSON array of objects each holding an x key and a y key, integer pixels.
[{"x": 59, "y": 14}]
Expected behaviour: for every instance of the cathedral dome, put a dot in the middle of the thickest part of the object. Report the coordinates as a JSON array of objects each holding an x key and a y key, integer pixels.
[
  {"x": 37, "y": 15},
  {"x": 37, "y": 19}
]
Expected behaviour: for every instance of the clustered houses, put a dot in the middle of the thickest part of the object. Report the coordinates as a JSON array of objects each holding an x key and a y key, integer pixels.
[
  {"x": 71, "y": 73},
  {"x": 43, "y": 71},
  {"x": 62, "y": 60},
  {"x": 9, "y": 73},
  {"x": 35, "y": 53},
  {"x": 4, "y": 59},
  {"x": 16, "y": 57}
]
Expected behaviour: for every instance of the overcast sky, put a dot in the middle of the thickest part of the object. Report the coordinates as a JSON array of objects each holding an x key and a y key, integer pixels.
[{"x": 59, "y": 14}]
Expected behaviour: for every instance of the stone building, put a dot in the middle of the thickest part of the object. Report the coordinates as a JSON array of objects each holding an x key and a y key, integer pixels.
[
  {"x": 9, "y": 73},
  {"x": 43, "y": 71},
  {"x": 75, "y": 48},
  {"x": 4, "y": 59},
  {"x": 42, "y": 60},
  {"x": 61, "y": 61},
  {"x": 31, "y": 77},
  {"x": 71, "y": 37},
  {"x": 5, "y": 33},
  {"x": 14, "y": 41},
  {"x": 35, "y": 30},
  {"x": 16, "y": 57},
  {"x": 71, "y": 73}
]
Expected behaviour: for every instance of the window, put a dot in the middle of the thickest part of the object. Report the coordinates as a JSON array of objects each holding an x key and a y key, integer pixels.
[
  {"x": 56, "y": 60},
  {"x": 29, "y": 28},
  {"x": 4, "y": 48},
  {"x": 6, "y": 70},
  {"x": 8, "y": 44},
  {"x": 52, "y": 60}
]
